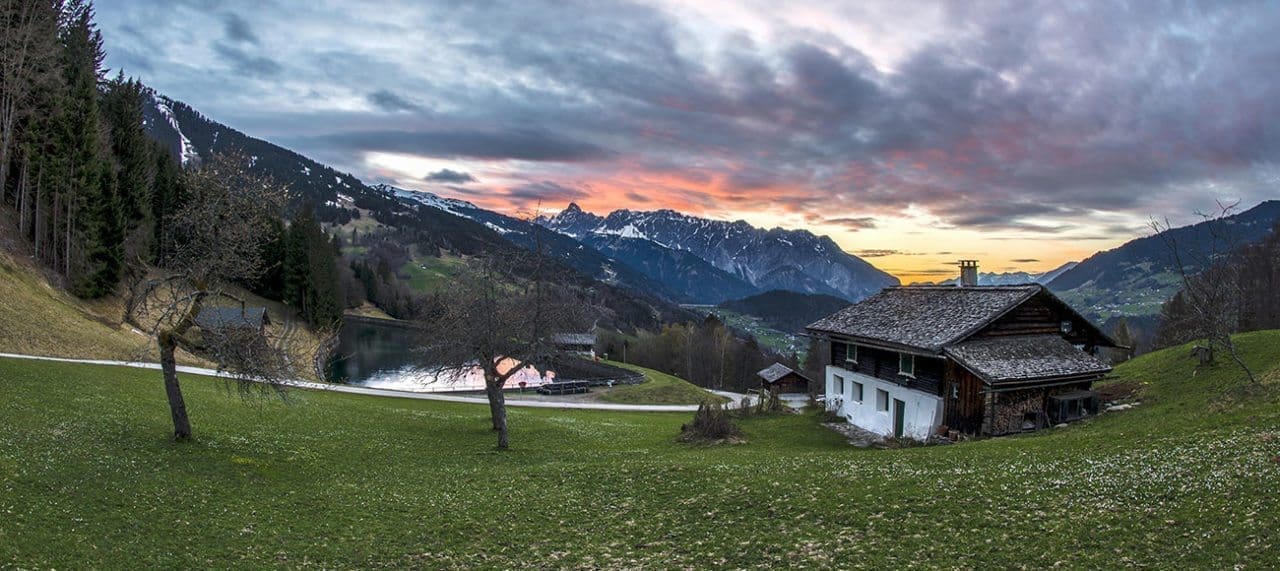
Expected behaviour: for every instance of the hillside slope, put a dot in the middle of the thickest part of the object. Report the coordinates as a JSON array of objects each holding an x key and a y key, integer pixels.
[
  {"x": 1137, "y": 277},
  {"x": 787, "y": 311},
  {"x": 40, "y": 318},
  {"x": 1185, "y": 480}
]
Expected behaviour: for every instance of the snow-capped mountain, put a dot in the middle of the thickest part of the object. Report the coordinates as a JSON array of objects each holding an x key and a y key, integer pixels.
[
  {"x": 525, "y": 234},
  {"x": 1013, "y": 278},
  {"x": 451, "y": 205},
  {"x": 793, "y": 260}
]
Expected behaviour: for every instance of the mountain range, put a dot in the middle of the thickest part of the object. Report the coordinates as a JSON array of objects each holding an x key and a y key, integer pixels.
[
  {"x": 1012, "y": 278},
  {"x": 736, "y": 256}
]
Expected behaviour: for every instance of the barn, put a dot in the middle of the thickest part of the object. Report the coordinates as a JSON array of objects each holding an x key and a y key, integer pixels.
[
  {"x": 781, "y": 379},
  {"x": 980, "y": 360}
]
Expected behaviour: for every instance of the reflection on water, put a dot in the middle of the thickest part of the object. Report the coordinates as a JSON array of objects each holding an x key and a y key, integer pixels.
[{"x": 381, "y": 356}]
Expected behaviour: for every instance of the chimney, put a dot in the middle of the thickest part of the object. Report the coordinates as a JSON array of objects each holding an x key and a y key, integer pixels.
[{"x": 968, "y": 273}]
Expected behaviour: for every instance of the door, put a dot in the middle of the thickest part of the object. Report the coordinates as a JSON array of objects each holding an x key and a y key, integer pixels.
[{"x": 899, "y": 417}]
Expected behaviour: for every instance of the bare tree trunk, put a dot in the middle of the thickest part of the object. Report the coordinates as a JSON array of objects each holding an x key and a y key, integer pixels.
[
  {"x": 7, "y": 114},
  {"x": 53, "y": 231},
  {"x": 177, "y": 406},
  {"x": 1235, "y": 356},
  {"x": 497, "y": 410},
  {"x": 35, "y": 223},
  {"x": 22, "y": 201},
  {"x": 70, "y": 218}
]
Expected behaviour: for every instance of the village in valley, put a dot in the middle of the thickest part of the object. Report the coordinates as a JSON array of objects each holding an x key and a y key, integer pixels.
[{"x": 638, "y": 285}]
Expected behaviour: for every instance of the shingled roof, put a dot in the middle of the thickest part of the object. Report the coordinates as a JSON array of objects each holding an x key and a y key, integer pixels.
[
  {"x": 776, "y": 371},
  {"x": 574, "y": 338},
  {"x": 1025, "y": 358},
  {"x": 231, "y": 317},
  {"x": 926, "y": 318}
]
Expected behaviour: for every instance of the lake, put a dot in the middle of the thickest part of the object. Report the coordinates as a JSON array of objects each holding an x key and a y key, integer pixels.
[{"x": 381, "y": 355}]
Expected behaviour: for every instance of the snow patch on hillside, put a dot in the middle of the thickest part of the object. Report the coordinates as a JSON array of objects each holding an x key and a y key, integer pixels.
[{"x": 189, "y": 153}]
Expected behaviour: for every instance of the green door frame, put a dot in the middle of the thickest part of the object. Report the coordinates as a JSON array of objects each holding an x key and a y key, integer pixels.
[{"x": 899, "y": 417}]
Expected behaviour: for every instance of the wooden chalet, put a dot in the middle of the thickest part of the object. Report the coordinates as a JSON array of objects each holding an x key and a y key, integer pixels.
[
  {"x": 781, "y": 379},
  {"x": 979, "y": 360}
]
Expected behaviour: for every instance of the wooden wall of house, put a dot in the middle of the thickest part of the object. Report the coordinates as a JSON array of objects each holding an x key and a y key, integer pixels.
[
  {"x": 963, "y": 400},
  {"x": 1033, "y": 317},
  {"x": 1042, "y": 315},
  {"x": 883, "y": 364},
  {"x": 790, "y": 384}
]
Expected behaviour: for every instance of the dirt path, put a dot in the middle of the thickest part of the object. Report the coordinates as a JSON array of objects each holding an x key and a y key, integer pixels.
[{"x": 350, "y": 389}]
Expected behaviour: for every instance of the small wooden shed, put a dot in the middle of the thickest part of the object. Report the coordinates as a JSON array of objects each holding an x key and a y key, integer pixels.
[
  {"x": 233, "y": 318},
  {"x": 781, "y": 379}
]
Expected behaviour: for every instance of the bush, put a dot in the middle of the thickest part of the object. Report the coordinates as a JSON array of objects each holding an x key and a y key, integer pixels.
[{"x": 711, "y": 424}]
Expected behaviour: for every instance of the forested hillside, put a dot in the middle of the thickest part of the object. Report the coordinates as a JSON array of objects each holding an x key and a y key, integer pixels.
[
  {"x": 787, "y": 311},
  {"x": 1139, "y": 276}
]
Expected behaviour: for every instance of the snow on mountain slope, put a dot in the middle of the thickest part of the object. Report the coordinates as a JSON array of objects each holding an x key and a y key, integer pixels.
[
  {"x": 450, "y": 205},
  {"x": 794, "y": 260},
  {"x": 183, "y": 148}
]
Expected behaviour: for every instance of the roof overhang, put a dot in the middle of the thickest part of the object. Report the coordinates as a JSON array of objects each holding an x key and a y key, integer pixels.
[{"x": 876, "y": 343}]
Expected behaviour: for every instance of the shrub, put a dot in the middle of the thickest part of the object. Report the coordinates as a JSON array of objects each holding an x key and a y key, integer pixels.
[{"x": 711, "y": 424}]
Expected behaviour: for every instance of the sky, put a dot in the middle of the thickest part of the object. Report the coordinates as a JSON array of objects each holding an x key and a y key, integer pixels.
[{"x": 1023, "y": 133}]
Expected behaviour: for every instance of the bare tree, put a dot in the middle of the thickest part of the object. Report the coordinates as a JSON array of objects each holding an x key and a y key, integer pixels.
[
  {"x": 1210, "y": 272},
  {"x": 218, "y": 233},
  {"x": 499, "y": 316}
]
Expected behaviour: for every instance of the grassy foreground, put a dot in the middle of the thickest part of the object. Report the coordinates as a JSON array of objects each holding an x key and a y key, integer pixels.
[
  {"x": 658, "y": 388},
  {"x": 89, "y": 479}
]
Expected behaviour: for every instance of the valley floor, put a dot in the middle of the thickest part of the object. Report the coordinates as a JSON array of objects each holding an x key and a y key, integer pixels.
[{"x": 88, "y": 478}]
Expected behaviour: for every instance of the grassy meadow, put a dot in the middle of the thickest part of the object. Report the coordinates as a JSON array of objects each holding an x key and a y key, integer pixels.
[
  {"x": 88, "y": 478},
  {"x": 658, "y": 388}
]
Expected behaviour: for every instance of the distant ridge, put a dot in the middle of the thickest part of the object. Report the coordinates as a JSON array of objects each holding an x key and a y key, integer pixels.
[
  {"x": 794, "y": 260},
  {"x": 1138, "y": 276}
]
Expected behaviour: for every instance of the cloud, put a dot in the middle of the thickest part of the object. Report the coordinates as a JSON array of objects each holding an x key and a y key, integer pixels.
[
  {"x": 1028, "y": 118},
  {"x": 522, "y": 144},
  {"x": 450, "y": 176},
  {"x": 236, "y": 29},
  {"x": 391, "y": 103},
  {"x": 859, "y": 223},
  {"x": 1025, "y": 260},
  {"x": 246, "y": 63},
  {"x": 880, "y": 253},
  {"x": 544, "y": 191}
]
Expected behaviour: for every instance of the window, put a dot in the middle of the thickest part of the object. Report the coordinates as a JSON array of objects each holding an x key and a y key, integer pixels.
[
  {"x": 851, "y": 354},
  {"x": 906, "y": 365},
  {"x": 837, "y": 384},
  {"x": 882, "y": 400},
  {"x": 857, "y": 391}
]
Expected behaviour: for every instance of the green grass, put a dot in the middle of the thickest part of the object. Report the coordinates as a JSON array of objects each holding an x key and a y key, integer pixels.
[
  {"x": 88, "y": 479},
  {"x": 38, "y": 319},
  {"x": 658, "y": 388},
  {"x": 767, "y": 336},
  {"x": 429, "y": 273}
]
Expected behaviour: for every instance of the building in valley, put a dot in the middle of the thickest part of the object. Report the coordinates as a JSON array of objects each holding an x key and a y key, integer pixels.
[
  {"x": 583, "y": 344},
  {"x": 980, "y": 360},
  {"x": 780, "y": 379}
]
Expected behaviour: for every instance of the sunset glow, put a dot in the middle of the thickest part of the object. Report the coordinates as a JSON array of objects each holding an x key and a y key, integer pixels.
[{"x": 1020, "y": 134}]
